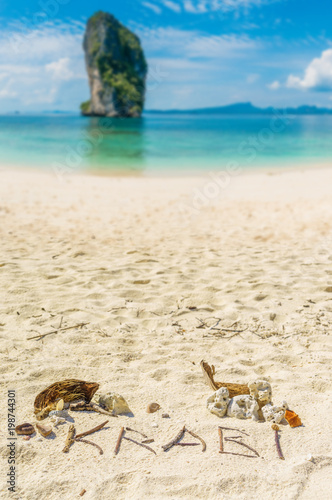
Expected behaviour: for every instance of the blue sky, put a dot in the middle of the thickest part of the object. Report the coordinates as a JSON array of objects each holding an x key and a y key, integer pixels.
[{"x": 201, "y": 53}]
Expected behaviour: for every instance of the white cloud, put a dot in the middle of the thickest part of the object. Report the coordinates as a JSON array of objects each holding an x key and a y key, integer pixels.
[
  {"x": 42, "y": 96},
  {"x": 203, "y": 6},
  {"x": 29, "y": 58},
  {"x": 177, "y": 71},
  {"x": 175, "y": 7},
  {"x": 44, "y": 41},
  {"x": 226, "y": 46},
  {"x": 205, "y": 65},
  {"x": 197, "y": 8},
  {"x": 274, "y": 85},
  {"x": 193, "y": 44},
  {"x": 317, "y": 76},
  {"x": 61, "y": 70},
  {"x": 6, "y": 93},
  {"x": 252, "y": 78},
  {"x": 152, "y": 6},
  {"x": 12, "y": 69},
  {"x": 162, "y": 39}
]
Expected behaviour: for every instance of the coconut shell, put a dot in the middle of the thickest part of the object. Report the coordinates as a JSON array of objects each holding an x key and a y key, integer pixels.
[
  {"x": 233, "y": 389},
  {"x": 68, "y": 390}
]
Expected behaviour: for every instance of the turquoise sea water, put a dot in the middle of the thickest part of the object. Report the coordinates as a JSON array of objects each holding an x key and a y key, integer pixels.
[{"x": 159, "y": 142}]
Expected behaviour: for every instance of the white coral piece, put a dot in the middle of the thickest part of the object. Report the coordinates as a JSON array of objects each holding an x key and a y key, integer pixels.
[
  {"x": 261, "y": 391},
  {"x": 57, "y": 420},
  {"x": 59, "y": 413},
  {"x": 274, "y": 413},
  {"x": 217, "y": 403},
  {"x": 243, "y": 406}
]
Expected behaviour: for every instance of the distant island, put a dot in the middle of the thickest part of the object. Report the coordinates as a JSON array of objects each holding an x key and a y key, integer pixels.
[
  {"x": 116, "y": 68},
  {"x": 246, "y": 108},
  {"x": 231, "y": 109}
]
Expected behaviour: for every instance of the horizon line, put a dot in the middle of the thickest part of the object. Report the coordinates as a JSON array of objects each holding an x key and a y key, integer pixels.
[{"x": 250, "y": 107}]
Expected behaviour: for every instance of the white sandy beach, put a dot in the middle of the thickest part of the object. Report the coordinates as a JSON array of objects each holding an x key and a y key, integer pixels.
[{"x": 142, "y": 261}]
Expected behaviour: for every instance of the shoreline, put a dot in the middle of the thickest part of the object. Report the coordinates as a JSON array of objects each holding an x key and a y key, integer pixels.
[{"x": 164, "y": 173}]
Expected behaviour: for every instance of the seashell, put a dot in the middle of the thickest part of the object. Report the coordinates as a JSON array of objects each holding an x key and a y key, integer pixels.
[
  {"x": 234, "y": 389},
  {"x": 25, "y": 429},
  {"x": 60, "y": 404},
  {"x": 113, "y": 402},
  {"x": 68, "y": 390},
  {"x": 152, "y": 408},
  {"x": 44, "y": 430},
  {"x": 292, "y": 418}
]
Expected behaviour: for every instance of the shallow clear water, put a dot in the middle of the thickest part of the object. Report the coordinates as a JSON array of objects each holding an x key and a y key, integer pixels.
[{"x": 157, "y": 142}]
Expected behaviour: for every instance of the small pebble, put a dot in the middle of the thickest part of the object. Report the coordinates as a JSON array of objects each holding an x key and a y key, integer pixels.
[
  {"x": 309, "y": 458},
  {"x": 154, "y": 424},
  {"x": 26, "y": 438},
  {"x": 153, "y": 407},
  {"x": 165, "y": 415},
  {"x": 44, "y": 430}
]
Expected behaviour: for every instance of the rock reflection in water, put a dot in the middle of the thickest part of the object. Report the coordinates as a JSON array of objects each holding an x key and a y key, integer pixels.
[{"x": 118, "y": 144}]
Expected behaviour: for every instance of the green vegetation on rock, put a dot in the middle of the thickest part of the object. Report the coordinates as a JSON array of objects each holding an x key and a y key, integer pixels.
[{"x": 85, "y": 106}]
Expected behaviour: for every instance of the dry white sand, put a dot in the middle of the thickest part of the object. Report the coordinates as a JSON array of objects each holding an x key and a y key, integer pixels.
[{"x": 142, "y": 260}]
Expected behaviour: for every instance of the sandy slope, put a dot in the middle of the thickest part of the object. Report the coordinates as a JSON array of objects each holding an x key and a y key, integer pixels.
[{"x": 143, "y": 260}]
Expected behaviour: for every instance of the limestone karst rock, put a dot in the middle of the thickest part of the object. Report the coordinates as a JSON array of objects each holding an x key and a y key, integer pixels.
[{"x": 116, "y": 69}]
